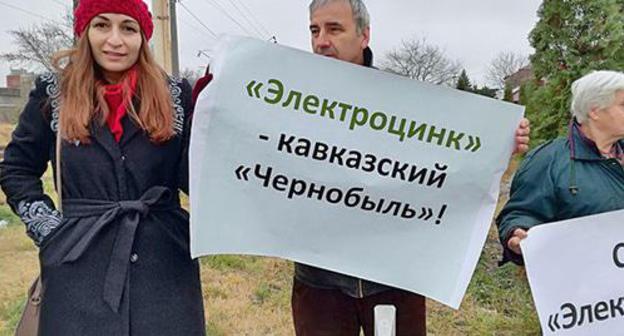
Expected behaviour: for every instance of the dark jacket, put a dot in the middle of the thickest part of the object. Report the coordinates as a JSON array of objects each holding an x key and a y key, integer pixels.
[
  {"x": 118, "y": 261},
  {"x": 563, "y": 179},
  {"x": 320, "y": 278}
]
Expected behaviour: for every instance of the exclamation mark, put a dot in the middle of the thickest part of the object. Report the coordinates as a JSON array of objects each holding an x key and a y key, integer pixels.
[{"x": 439, "y": 220}]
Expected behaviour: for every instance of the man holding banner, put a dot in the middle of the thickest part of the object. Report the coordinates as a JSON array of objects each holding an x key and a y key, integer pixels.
[
  {"x": 330, "y": 303},
  {"x": 363, "y": 173}
]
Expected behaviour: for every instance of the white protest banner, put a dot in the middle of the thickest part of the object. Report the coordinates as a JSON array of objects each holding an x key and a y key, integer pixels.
[
  {"x": 345, "y": 167},
  {"x": 576, "y": 272}
]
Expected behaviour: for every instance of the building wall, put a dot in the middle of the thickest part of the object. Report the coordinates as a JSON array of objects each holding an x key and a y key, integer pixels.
[
  {"x": 13, "y": 81},
  {"x": 13, "y": 98},
  {"x": 9, "y": 114}
]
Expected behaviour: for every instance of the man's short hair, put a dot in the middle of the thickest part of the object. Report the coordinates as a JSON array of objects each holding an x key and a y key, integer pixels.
[
  {"x": 595, "y": 90},
  {"x": 360, "y": 13}
]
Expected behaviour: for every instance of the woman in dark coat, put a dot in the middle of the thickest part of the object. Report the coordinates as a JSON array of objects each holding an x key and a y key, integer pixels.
[{"x": 115, "y": 259}]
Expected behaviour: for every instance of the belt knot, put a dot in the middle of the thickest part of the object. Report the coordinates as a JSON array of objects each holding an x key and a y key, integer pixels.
[{"x": 135, "y": 205}]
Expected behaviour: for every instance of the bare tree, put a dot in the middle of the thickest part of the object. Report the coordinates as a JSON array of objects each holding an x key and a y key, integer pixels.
[
  {"x": 417, "y": 59},
  {"x": 503, "y": 65},
  {"x": 36, "y": 45}
]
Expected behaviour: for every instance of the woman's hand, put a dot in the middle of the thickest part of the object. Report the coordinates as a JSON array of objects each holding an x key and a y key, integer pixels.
[{"x": 514, "y": 242}]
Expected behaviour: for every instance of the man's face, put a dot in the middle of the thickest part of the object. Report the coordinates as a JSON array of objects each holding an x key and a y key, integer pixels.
[{"x": 333, "y": 33}]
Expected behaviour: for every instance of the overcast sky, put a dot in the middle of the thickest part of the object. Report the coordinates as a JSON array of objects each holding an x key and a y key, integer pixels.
[{"x": 472, "y": 32}]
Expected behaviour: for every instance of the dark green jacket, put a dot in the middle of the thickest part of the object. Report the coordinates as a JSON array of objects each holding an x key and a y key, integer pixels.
[{"x": 562, "y": 179}]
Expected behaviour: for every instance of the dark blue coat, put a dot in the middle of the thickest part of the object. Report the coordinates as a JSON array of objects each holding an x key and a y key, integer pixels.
[{"x": 117, "y": 262}]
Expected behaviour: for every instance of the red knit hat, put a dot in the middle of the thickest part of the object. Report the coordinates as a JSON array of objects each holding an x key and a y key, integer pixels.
[{"x": 137, "y": 9}]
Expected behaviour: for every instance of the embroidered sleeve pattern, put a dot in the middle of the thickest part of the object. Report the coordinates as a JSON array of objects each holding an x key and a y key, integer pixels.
[
  {"x": 54, "y": 93},
  {"x": 176, "y": 101},
  {"x": 39, "y": 218}
]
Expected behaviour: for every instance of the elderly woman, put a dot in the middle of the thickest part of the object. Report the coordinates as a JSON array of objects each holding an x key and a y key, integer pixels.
[{"x": 575, "y": 176}]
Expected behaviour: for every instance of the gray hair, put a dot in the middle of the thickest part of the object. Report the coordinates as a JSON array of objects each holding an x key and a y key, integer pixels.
[
  {"x": 595, "y": 90},
  {"x": 360, "y": 13}
]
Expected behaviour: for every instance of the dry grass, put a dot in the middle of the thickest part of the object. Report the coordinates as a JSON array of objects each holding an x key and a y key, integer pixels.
[
  {"x": 251, "y": 295},
  {"x": 18, "y": 268},
  {"x": 5, "y": 133},
  {"x": 242, "y": 295},
  {"x": 247, "y": 295}
]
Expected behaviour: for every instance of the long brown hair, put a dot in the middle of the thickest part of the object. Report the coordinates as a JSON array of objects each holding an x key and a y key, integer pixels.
[{"x": 82, "y": 99}]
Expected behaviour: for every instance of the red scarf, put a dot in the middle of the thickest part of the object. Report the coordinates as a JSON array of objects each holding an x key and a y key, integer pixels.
[{"x": 117, "y": 103}]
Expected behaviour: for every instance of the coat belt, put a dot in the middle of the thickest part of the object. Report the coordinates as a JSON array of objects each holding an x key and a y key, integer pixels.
[{"x": 126, "y": 214}]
